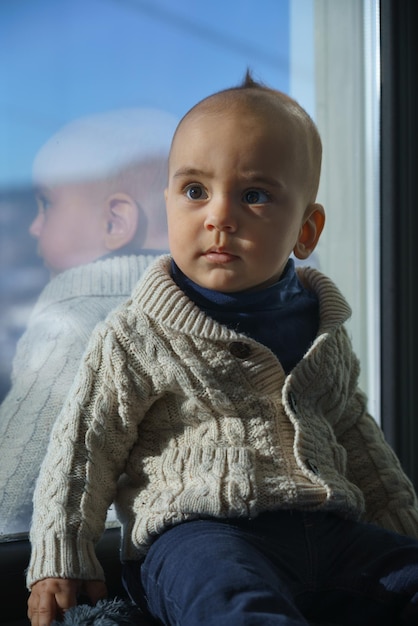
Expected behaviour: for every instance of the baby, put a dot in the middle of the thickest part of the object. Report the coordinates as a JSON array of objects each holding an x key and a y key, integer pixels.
[
  {"x": 99, "y": 185},
  {"x": 219, "y": 407}
]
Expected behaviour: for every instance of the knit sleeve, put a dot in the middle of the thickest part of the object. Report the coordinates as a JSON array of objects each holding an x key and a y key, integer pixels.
[
  {"x": 372, "y": 465},
  {"x": 89, "y": 445},
  {"x": 47, "y": 358}
]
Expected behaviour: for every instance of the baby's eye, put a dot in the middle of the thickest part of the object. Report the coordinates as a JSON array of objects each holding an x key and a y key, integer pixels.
[
  {"x": 196, "y": 192},
  {"x": 43, "y": 202},
  {"x": 255, "y": 196}
]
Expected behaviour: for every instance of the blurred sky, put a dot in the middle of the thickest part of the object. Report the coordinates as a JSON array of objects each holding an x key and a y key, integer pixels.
[{"x": 61, "y": 59}]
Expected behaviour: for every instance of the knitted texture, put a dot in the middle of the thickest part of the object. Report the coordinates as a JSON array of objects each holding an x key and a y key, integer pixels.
[
  {"x": 47, "y": 358},
  {"x": 178, "y": 417}
]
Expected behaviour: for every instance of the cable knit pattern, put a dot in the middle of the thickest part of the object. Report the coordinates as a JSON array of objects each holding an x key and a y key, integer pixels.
[
  {"x": 178, "y": 417},
  {"x": 46, "y": 362}
]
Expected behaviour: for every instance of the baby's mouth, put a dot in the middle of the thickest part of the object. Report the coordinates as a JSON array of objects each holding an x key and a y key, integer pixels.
[{"x": 220, "y": 255}]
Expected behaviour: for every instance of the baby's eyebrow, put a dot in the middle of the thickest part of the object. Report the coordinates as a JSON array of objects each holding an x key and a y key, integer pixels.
[
  {"x": 261, "y": 178},
  {"x": 189, "y": 171}
]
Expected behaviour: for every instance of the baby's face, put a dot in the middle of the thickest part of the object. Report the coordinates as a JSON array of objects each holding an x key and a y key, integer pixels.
[
  {"x": 235, "y": 206},
  {"x": 70, "y": 225}
]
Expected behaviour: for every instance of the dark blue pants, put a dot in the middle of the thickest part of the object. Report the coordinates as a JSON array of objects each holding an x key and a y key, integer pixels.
[{"x": 287, "y": 568}]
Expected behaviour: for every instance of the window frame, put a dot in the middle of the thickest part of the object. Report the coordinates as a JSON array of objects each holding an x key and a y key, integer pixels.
[{"x": 399, "y": 226}]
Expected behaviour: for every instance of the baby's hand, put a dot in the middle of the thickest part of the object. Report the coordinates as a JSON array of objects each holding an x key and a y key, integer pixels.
[{"x": 51, "y": 597}]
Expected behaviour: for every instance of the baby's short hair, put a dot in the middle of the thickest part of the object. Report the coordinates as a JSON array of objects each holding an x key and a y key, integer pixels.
[{"x": 259, "y": 98}]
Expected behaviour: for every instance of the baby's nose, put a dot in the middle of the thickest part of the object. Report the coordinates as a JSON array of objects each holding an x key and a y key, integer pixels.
[
  {"x": 36, "y": 227},
  {"x": 222, "y": 215}
]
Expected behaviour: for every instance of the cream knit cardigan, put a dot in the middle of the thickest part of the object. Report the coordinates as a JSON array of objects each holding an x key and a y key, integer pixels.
[
  {"x": 47, "y": 359},
  {"x": 178, "y": 417}
]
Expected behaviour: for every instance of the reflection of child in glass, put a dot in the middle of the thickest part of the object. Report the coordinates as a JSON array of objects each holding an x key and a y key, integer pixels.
[
  {"x": 220, "y": 408},
  {"x": 100, "y": 182}
]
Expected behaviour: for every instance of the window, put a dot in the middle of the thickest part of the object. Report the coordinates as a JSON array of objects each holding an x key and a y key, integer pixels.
[
  {"x": 347, "y": 88},
  {"x": 61, "y": 62}
]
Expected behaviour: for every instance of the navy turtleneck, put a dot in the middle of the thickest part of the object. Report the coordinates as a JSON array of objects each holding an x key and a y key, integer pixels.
[{"x": 284, "y": 317}]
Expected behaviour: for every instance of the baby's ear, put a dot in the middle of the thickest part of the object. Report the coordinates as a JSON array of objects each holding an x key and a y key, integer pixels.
[
  {"x": 310, "y": 231},
  {"x": 122, "y": 214}
]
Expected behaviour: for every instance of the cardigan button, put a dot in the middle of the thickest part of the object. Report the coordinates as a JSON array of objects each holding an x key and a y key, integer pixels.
[
  {"x": 293, "y": 402},
  {"x": 312, "y": 466},
  {"x": 239, "y": 349}
]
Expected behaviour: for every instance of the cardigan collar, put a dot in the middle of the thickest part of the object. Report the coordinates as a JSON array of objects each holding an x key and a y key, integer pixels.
[{"x": 158, "y": 295}]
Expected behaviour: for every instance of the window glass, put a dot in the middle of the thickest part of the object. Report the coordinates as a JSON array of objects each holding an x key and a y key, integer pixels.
[{"x": 92, "y": 89}]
